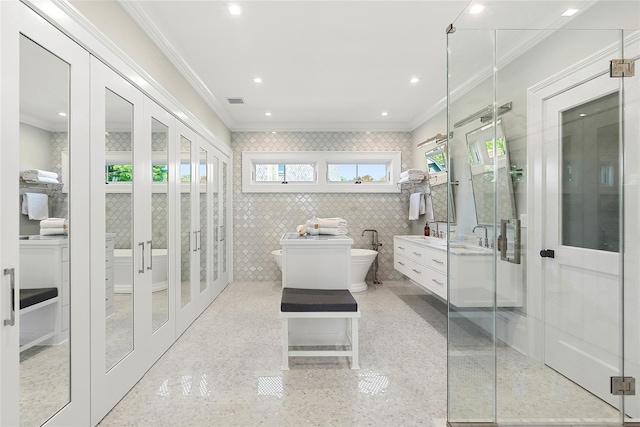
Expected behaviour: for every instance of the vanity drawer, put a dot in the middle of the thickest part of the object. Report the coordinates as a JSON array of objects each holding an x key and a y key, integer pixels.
[
  {"x": 401, "y": 264},
  {"x": 436, "y": 260},
  {"x": 436, "y": 282},
  {"x": 410, "y": 250}
]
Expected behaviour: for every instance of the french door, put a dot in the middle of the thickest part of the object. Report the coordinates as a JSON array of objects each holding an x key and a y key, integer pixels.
[
  {"x": 133, "y": 236},
  {"x": 44, "y": 119},
  {"x": 201, "y": 205}
]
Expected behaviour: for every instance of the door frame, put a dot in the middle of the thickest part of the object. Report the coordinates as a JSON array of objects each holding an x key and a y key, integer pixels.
[{"x": 594, "y": 66}]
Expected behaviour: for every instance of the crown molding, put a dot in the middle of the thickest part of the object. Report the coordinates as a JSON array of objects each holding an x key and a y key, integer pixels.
[
  {"x": 79, "y": 28},
  {"x": 140, "y": 17}
]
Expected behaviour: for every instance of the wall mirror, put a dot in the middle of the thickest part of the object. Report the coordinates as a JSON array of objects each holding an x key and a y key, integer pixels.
[
  {"x": 484, "y": 174},
  {"x": 45, "y": 358},
  {"x": 437, "y": 168}
]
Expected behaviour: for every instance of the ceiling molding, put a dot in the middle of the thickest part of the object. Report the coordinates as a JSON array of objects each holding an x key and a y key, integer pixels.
[
  {"x": 321, "y": 127},
  {"x": 137, "y": 14},
  {"x": 49, "y": 126}
]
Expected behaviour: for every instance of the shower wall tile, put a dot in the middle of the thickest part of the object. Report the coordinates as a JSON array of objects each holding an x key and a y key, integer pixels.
[{"x": 260, "y": 219}]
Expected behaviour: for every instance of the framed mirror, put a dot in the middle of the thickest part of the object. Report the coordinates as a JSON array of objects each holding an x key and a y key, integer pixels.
[
  {"x": 437, "y": 168},
  {"x": 485, "y": 173}
]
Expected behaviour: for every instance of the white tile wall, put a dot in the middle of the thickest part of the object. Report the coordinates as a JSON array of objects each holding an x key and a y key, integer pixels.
[{"x": 261, "y": 219}]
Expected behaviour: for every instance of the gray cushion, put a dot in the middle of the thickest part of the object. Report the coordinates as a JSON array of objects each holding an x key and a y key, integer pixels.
[
  {"x": 314, "y": 300},
  {"x": 29, "y": 297}
]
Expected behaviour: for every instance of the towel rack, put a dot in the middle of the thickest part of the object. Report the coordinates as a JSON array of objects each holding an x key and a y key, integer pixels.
[{"x": 48, "y": 187}]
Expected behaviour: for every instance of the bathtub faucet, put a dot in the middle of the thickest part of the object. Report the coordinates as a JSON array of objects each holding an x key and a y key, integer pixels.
[{"x": 374, "y": 238}]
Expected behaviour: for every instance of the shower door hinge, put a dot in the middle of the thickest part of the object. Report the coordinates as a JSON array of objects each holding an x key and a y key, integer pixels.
[
  {"x": 622, "y": 68},
  {"x": 451, "y": 29},
  {"x": 623, "y": 386}
]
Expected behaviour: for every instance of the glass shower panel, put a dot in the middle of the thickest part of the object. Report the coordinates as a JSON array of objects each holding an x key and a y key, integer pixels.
[
  {"x": 201, "y": 237},
  {"x": 185, "y": 221},
  {"x": 159, "y": 223},
  {"x": 471, "y": 338},
  {"x": 543, "y": 348},
  {"x": 118, "y": 146},
  {"x": 630, "y": 105},
  {"x": 45, "y": 339}
]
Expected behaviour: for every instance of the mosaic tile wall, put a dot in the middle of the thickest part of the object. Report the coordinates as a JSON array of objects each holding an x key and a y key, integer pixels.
[
  {"x": 260, "y": 219},
  {"x": 118, "y": 206}
]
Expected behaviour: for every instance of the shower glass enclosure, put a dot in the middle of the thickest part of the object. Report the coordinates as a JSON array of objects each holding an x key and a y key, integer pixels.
[{"x": 543, "y": 107}]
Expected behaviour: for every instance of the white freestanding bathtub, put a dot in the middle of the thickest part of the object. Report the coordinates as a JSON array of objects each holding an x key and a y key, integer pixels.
[
  {"x": 361, "y": 260},
  {"x": 123, "y": 270}
]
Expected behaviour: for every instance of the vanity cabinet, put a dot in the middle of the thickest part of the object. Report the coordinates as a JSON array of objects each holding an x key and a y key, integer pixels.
[
  {"x": 473, "y": 281},
  {"x": 424, "y": 265}
]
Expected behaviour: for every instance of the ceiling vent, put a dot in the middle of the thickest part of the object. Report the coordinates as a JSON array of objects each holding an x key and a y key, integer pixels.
[{"x": 235, "y": 100}]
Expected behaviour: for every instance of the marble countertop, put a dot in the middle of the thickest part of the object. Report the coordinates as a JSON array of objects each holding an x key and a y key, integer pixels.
[
  {"x": 298, "y": 239},
  {"x": 456, "y": 248}
]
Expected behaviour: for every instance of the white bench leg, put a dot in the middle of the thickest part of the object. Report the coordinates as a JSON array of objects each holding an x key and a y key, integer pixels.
[
  {"x": 354, "y": 343},
  {"x": 285, "y": 344}
]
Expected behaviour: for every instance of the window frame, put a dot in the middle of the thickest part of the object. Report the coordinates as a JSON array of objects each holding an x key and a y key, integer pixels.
[{"x": 321, "y": 161}]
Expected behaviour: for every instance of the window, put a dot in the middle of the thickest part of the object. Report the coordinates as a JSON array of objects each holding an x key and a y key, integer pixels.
[
  {"x": 284, "y": 172},
  {"x": 320, "y": 172}
]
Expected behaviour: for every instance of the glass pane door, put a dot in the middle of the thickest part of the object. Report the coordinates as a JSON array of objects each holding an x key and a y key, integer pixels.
[{"x": 202, "y": 245}]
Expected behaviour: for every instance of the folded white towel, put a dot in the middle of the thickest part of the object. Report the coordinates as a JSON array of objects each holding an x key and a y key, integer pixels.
[
  {"x": 52, "y": 231},
  {"x": 54, "y": 223},
  {"x": 40, "y": 180},
  {"x": 35, "y": 205},
  {"x": 423, "y": 208},
  {"x": 413, "y": 174},
  {"x": 40, "y": 173},
  {"x": 414, "y": 206},
  {"x": 333, "y": 231},
  {"x": 332, "y": 222}
]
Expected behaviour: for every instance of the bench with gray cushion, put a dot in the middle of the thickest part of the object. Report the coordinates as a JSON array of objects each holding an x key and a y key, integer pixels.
[
  {"x": 319, "y": 304},
  {"x": 33, "y": 303}
]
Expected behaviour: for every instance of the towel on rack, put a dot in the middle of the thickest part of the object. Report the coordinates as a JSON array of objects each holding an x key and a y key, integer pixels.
[
  {"x": 53, "y": 231},
  {"x": 35, "y": 205},
  {"x": 415, "y": 175},
  {"x": 429, "y": 208},
  {"x": 54, "y": 223},
  {"x": 414, "y": 205},
  {"x": 423, "y": 208},
  {"x": 40, "y": 176}
]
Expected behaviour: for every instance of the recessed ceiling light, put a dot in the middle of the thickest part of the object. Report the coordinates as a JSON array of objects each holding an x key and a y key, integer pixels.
[
  {"x": 268, "y": 114},
  {"x": 583, "y": 115},
  {"x": 414, "y": 80},
  {"x": 476, "y": 8},
  {"x": 62, "y": 113},
  {"x": 257, "y": 80},
  {"x": 570, "y": 12},
  {"x": 234, "y": 9},
  {"x": 384, "y": 114}
]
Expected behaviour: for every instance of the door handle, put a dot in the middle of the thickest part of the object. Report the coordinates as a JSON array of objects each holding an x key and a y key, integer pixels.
[
  {"x": 195, "y": 239},
  {"x": 141, "y": 244},
  {"x": 547, "y": 253},
  {"x": 150, "y": 243},
  {"x": 199, "y": 240},
  {"x": 222, "y": 236},
  {"x": 11, "y": 321}
]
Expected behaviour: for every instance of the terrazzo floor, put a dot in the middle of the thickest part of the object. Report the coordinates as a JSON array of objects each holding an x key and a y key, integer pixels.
[{"x": 225, "y": 371}]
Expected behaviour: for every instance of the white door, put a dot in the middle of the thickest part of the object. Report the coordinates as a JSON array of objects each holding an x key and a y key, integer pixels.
[
  {"x": 44, "y": 104},
  {"x": 582, "y": 287},
  {"x": 120, "y": 199}
]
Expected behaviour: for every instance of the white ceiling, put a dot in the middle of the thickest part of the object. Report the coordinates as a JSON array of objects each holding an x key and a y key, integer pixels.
[{"x": 325, "y": 65}]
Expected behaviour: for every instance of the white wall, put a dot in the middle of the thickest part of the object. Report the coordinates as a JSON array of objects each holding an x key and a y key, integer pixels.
[
  {"x": 109, "y": 18},
  {"x": 35, "y": 148}
]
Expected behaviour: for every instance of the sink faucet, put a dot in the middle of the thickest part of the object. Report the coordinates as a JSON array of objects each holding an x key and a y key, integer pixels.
[
  {"x": 486, "y": 238},
  {"x": 374, "y": 238}
]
